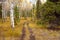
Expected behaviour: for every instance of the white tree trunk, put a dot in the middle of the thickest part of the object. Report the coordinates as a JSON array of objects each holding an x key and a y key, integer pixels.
[
  {"x": 12, "y": 15},
  {"x": 19, "y": 14},
  {"x": 3, "y": 13}
]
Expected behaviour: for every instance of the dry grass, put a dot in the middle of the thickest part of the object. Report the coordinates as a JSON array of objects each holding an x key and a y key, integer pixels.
[{"x": 6, "y": 30}]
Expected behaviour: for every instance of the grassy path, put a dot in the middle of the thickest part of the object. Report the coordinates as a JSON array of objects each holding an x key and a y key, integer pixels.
[
  {"x": 31, "y": 35},
  {"x": 27, "y": 30}
]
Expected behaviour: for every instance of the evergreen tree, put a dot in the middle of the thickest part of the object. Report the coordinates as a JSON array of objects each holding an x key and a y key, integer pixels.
[
  {"x": 16, "y": 14},
  {"x": 37, "y": 9},
  {"x": 50, "y": 12}
]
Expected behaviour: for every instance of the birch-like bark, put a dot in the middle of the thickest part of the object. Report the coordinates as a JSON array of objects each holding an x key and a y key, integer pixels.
[
  {"x": 12, "y": 14},
  {"x": 3, "y": 13}
]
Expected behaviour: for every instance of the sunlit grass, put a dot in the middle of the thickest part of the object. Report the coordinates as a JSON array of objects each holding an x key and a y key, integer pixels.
[{"x": 8, "y": 31}]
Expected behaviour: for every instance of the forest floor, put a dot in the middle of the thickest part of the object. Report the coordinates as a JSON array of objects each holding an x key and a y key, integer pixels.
[{"x": 31, "y": 32}]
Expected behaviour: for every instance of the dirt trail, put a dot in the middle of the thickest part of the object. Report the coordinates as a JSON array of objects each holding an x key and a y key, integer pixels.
[
  {"x": 31, "y": 35},
  {"x": 23, "y": 33}
]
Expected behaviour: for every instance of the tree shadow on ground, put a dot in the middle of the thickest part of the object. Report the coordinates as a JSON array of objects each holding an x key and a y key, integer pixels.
[{"x": 53, "y": 28}]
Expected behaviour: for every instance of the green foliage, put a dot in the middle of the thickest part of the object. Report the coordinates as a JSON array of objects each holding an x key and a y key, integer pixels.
[
  {"x": 58, "y": 7},
  {"x": 16, "y": 15},
  {"x": 49, "y": 12},
  {"x": 38, "y": 9}
]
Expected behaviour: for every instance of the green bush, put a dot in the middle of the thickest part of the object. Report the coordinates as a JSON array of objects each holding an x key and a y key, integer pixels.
[{"x": 50, "y": 12}]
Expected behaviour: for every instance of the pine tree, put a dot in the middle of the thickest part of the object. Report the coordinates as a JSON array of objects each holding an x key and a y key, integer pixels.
[{"x": 16, "y": 15}]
